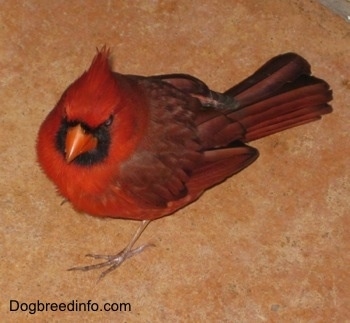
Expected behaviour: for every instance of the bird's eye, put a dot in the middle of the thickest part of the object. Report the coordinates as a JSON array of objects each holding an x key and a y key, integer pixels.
[{"x": 109, "y": 121}]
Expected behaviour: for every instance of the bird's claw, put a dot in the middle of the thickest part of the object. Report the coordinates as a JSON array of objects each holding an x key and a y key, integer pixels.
[{"x": 113, "y": 261}]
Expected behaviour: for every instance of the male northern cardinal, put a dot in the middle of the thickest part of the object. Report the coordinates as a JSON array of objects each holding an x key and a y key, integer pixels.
[{"x": 135, "y": 147}]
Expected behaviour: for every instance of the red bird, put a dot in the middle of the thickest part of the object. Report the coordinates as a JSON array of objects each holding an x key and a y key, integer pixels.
[{"x": 140, "y": 148}]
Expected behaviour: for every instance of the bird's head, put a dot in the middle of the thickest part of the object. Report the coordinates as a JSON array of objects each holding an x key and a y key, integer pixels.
[{"x": 89, "y": 107}]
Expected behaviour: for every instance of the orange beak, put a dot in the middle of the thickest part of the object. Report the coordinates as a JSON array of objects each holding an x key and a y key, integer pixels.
[{"x": 78, "y": 142}]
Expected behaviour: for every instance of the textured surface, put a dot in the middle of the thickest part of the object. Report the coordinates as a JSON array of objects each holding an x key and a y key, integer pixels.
[
  {"x": 270, "y": 244},
  {"x": 341, "y": 7}
]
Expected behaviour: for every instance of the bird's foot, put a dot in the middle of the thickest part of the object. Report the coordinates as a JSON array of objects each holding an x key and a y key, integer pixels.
[{"x": 112, "y": 261}]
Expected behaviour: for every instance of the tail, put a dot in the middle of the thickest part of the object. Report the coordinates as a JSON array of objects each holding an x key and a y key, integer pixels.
[{"x": 281, "y": 94}]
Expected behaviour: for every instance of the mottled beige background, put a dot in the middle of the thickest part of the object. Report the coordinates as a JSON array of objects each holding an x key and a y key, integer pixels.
[{"x": 269, "y": 245}]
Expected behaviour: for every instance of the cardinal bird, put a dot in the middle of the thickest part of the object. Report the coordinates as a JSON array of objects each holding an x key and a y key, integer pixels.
[{"x": 142, "y": 147}]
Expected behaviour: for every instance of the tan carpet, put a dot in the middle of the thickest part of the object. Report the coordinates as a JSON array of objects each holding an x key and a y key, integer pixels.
[{"x": 269, "y": 245}]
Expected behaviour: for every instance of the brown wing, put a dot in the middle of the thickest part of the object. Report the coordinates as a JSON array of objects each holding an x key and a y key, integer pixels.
[
  {"x": 195, "y": 138},
  {"x": 221, "y": 163},
  {"x": 170, "y": 160},
  {"x": 164, "y": 160},
  {"x": 217, "y": 165}
]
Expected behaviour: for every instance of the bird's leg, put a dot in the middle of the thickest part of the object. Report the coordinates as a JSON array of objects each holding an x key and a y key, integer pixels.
[{"x": 114, "y": 261}]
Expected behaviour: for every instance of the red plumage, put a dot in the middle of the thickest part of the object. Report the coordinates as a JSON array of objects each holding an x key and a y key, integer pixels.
[{"x": 137, "y": 147}]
